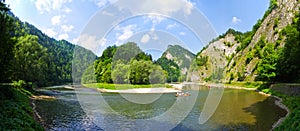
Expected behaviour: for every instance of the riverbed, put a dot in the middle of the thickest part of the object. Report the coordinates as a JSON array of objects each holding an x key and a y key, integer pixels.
[{"x": 88, "y": 109}]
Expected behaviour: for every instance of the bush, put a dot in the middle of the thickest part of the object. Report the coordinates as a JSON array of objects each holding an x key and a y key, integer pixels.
[{"x": 19, "y": 84}]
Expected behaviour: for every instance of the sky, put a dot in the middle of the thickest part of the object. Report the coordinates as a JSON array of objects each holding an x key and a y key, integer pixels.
[{"x": 152, "y": 24}]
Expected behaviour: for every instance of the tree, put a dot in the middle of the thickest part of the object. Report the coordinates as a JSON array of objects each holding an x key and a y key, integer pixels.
[
  {"x": 6, "y": 42},
  {"x": 30, "y": 60},
  {"x": 288, "y": 65},
  {"x": 172, "y": 69},
  {"x": 120, "y": 73},
  {"x": 267, "y": 66}
]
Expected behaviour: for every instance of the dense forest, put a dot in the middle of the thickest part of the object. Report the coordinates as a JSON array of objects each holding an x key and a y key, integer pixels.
[
  {"x": 28, "y": 54},
  {"x": 124, "y": 64}
]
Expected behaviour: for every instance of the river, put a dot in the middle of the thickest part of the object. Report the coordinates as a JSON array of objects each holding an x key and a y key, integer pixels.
[{"x": 87, "y": 109}]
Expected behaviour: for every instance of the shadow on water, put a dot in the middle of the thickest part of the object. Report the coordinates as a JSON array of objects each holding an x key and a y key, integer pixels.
[
  {"x": 64, "y": 113},
  {"x": 266, "y": 113}
]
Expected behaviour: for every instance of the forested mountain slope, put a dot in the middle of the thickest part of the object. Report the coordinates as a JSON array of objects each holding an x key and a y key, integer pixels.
[
  {"x": 30, "y": 55},
  {"x": 176, "y": 60}
]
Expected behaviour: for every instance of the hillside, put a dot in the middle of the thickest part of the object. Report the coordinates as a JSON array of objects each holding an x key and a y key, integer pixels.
[
  {"x": 252, "y": 55},
  {"x": 178, "y": 58},
  {"x": 50, "y": 62}
]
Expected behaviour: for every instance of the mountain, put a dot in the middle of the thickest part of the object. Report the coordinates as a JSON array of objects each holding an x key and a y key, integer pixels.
[
  {"x": 179, "y": 59},
  {"x": 254, "y": 55}
]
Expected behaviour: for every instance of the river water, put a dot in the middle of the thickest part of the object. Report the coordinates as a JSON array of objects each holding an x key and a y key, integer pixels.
[{"x": 87, "y": 109}]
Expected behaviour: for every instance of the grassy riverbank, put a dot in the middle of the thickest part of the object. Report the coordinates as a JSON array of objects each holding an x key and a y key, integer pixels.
[
  {"x": 253, "y": 85},
  {"x": 15, "y": 110},
  {"x": 290, "y": 94},
  {"x": 123, "y": 86}
]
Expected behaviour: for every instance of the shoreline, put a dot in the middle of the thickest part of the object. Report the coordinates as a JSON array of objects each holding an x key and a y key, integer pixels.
[
  {"x": 141, "y": 90},
  {"x": 277, "y": 102}
]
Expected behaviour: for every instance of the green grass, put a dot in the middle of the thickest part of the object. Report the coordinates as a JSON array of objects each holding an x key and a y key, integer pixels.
[
  {"x": 245, "y": 84},
  {"x": 15, "y": 110},
  {"x": 293, "y": 103},
  {"x": 123, "y": 86}
]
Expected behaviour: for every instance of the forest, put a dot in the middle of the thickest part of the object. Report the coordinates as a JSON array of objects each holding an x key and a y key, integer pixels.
[{"x": 28, "y": 54}]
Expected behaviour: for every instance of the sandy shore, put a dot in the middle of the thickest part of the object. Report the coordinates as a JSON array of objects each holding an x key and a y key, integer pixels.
[
  {"x": 142, "y": 90},
  {"x": 43, "y": 97}
]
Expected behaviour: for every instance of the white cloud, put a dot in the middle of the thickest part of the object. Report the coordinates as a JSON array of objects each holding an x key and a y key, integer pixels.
[
  {"x": 188, "y": 7},
  {"x": 90, "y": 42},
  {"x": 235, "y": 20},
  {"x": 164, "y": 7},
  {"x": 50, "y": 5},
  {"x": 63, "y": 36},
  {"x": 50, "y": 32},
  {"x": 67, "y": 10},
  {"x": 182, "y": 33},
  {"x": 55, "y": 20},
  {"x": 102, "y": 3},
  {"x": 155, "y": 20},
  {"x": 171, "y": 26},
  {"x": 107, "y": 13},
  {"x": 145, "y": 38},
  {"x": 67, "y": 28},
  {"x": 126, "y": 32}
]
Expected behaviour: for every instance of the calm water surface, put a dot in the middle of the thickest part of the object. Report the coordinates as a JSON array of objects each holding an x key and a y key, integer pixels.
[{"x": 238, "y": 110}]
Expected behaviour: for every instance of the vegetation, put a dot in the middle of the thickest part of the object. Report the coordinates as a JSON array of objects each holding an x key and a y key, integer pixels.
[
  {"x": 29, "y": 59},
  {"x": 123, "y": 65},
  {"x": 246, "y": 84},
  {"x": 16, "y": 112},
  {"x": 32, "y": 56},
  {"x": 172, "y": 69},
  {"x": 124, "y": 86}
]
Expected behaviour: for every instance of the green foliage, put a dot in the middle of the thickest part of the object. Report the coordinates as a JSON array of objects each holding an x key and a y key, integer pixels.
[
  {"x": 231, "y": 77},
  {"x": 276, "y": 21},
  {"x": 229, "y": 31},
  {"x": 241, "y": 76},
  {"x": 7, "y": 43},
  {"x": 30, "y": 60},
  {"x": 88, "y": 75},
  {"x": 16, "y": 113},
  {"x": 172, "y": 69},
  {"x": 288, "y": 63},
  {"x": 124, "y": 86},
  {"x": 246, "y": 84},
  {"x": 19, "y": 84},
  {"x": 121, "y": 73},
  {"x": 202, "y": 60},
  {"x": 249, "y": 57},
  {"x": 143, "y": 72},
  {"x": 127, "y": 64},
  {"x": 267, "y": 91},
  {"x": 293, "y": 103},
  {"x": 267, "y": 66}
]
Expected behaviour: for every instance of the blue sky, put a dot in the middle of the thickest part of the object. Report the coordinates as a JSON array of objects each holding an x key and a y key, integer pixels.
[{"x": 69, "y": 19}]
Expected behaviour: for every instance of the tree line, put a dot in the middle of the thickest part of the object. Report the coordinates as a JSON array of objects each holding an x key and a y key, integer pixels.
[{"x": 28, "y": 54}]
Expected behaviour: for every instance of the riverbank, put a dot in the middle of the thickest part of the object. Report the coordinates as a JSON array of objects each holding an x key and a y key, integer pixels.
[
  {"x": 124, "y": 86},
  {"x": 289, "y": 96},
  {"x": 15, "y": 110},
  {"x": 141, "y": 90}
]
